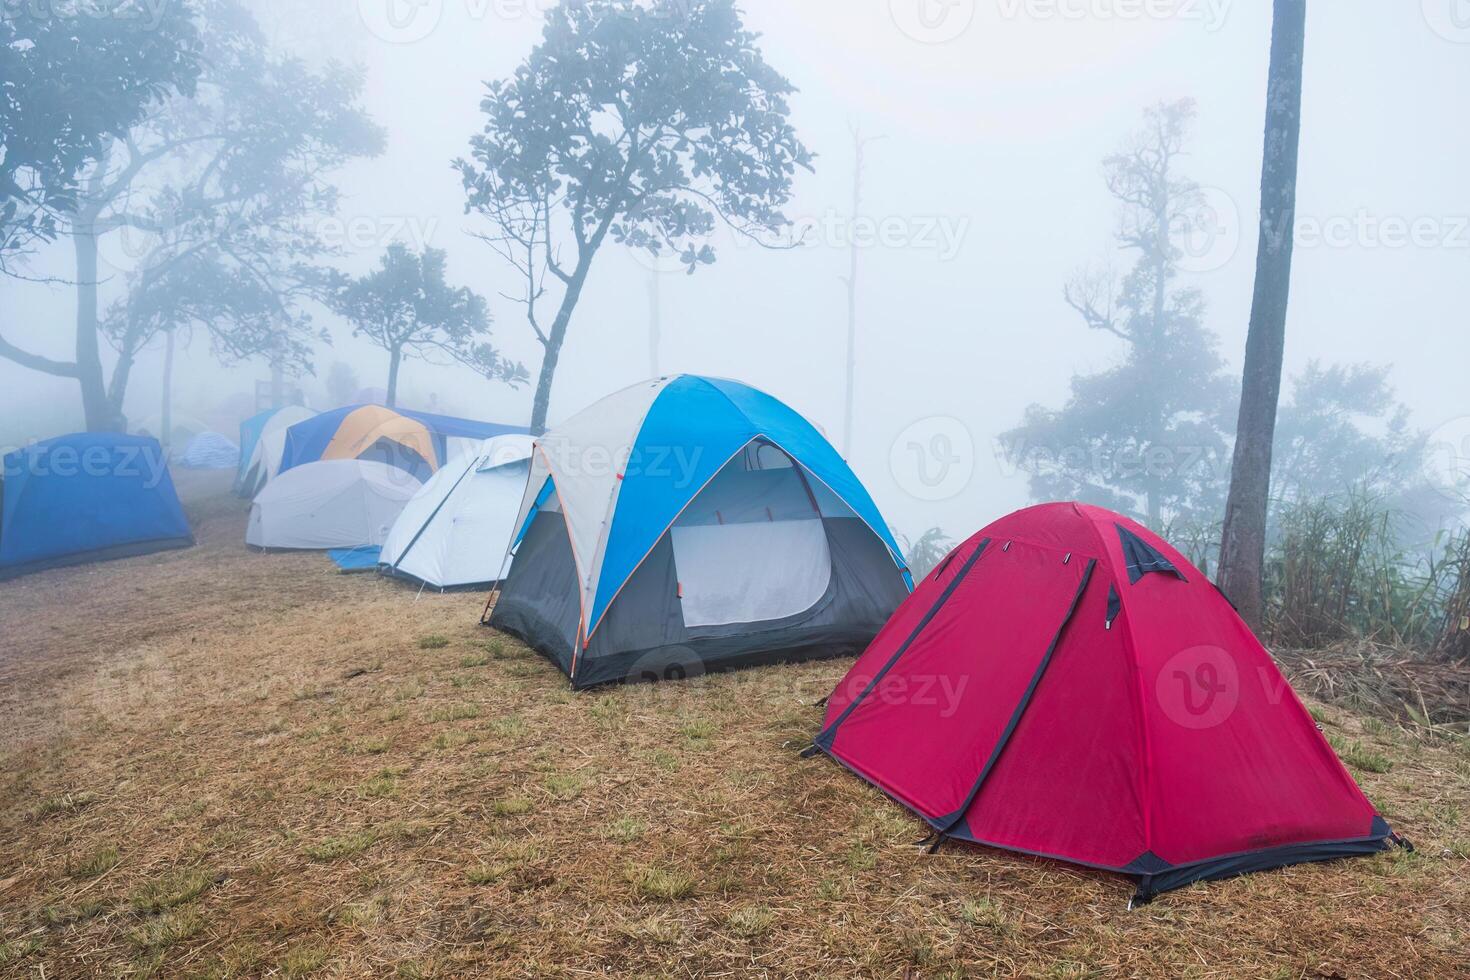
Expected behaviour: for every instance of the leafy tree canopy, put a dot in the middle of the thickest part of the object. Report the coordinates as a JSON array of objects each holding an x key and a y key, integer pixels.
[
  {"x": 74, "y": 75},
  {"x": 649, "y": 122},
  {"x": 407, "y": 307},
  {"x": 214, "y": 203}
]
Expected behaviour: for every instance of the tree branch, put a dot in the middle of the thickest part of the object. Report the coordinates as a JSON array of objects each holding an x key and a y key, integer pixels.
[{"x": 61, "y": 369}]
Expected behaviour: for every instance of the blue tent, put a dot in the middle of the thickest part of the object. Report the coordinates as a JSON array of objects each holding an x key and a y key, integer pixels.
[
  {"x": 417, "y": 442},
  {"x": 87, "y": 497},
  {"x": 701, "y": 518}
]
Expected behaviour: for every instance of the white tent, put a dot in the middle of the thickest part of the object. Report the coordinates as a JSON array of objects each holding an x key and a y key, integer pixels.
[
  {"x": 455, "y": 530},
  {"x": 337, "y": 503},
  {"x": 265, "y": 458}
]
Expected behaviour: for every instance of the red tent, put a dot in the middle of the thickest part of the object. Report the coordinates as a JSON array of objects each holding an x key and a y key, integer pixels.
[{"x": 1066, "y": 684}]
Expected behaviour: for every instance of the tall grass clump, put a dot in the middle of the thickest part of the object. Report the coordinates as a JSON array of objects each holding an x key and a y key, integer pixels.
[
  {"x": 1454, "y": 628},
  {"x": 1341, "y": 568}
]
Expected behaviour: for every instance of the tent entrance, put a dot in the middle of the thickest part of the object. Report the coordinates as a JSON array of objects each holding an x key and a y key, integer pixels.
[
  {"x": 750, "y": 573},
  {"x": 751, "y": 546}
]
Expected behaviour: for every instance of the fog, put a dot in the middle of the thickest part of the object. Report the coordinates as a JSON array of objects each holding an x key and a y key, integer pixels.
[{"x": 982, "y": 195}]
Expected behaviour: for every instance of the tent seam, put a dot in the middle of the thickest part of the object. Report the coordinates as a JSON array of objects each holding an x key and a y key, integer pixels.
[
  {"x": 589, "y": 595},
  {"x": 1130, "y": 648},
  {"x": 828, "y": 734},
  {"x": 432, "y": 514},
  {"x": 1024, "y": 704},
  {"x": 659, "y": 537}
]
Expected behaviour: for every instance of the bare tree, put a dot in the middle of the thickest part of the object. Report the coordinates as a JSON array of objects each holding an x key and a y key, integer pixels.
[
  {"x": 1140, "y": 436},
  {"x": 859, "y": 145},
  {"x": 1243, "y": 541}
]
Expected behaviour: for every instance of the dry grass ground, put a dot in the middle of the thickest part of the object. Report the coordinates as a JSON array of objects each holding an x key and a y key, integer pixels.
[{"x": 214, "y": 763}]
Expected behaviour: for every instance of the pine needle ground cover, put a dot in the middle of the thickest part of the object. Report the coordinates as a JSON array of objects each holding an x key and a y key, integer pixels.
[{"x": 218, "y": 763}]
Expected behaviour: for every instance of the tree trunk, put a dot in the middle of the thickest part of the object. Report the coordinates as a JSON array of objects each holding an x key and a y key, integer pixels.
[
  {"x": 395, "y": 357},
  {"x": 166, "y": 411},
  {"x": 97, "y": 408},
  {"x": 554, "y": 340},
  {"x": 117, "y": 389},
  {"x": 1243, "y": 542}
]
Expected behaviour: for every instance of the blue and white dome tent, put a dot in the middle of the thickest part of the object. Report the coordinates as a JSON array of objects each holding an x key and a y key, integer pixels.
[
  {"x": 692, "y": 523},
  {"x": 263, "y": 444}
]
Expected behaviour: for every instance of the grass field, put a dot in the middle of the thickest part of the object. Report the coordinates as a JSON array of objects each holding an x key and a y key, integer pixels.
[{"x": 216, "y": 763}]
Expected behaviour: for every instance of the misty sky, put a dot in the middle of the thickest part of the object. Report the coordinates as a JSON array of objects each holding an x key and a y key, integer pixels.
[{"x": 986, "y": 188}]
